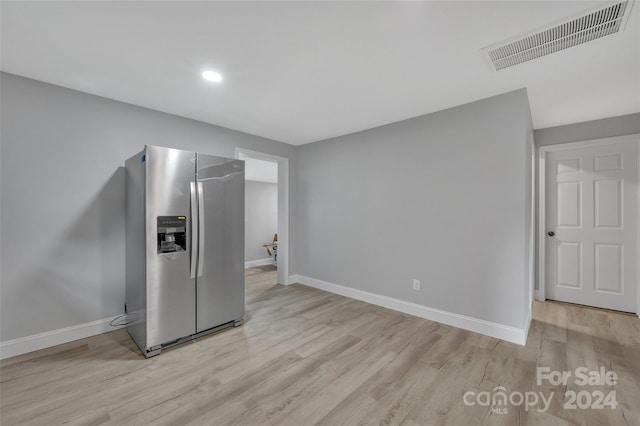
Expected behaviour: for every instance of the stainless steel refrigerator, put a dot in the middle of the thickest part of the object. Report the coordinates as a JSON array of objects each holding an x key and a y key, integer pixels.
[{"x": 184, "y": 246}]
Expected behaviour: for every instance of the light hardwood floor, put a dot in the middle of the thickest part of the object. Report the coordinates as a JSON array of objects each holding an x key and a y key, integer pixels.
[{"x": 306, "y": 357}]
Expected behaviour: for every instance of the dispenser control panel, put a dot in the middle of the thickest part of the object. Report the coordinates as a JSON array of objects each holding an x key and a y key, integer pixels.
[{"x": 172, "y": 235}]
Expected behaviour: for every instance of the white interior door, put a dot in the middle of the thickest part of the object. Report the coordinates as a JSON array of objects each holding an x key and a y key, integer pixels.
[{"x": 591, "y": 219}]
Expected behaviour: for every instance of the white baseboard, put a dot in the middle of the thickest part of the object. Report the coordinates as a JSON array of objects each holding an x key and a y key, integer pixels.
[
  {"x": 527, "y": 325},
  {"x": 293, "y": 279},
  {"x": 488, "y": 328},
  {"x": 259, "y": 262},
  {"x": 47, "y": 339}
]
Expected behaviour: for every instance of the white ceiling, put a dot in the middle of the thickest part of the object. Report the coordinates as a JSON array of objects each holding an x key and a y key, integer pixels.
[
  {"x": 259, "y": 170},
  {"x": 303, "y": 71}
]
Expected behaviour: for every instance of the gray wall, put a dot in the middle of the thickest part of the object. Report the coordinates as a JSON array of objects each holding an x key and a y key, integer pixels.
[
  {"x": 62, "y": 198},
  {"x": 261, "y": 218},
  {"x": 443, "y": 198},
  {"x": 596, "y": 129}
]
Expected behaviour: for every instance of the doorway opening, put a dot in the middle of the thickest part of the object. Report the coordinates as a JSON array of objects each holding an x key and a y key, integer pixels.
[
  {"x": 266, "y": 211},
  {"x": 589, "y": 231}
]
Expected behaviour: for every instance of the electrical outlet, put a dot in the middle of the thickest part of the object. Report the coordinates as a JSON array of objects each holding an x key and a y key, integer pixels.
[{"x": 416, "y": 285}]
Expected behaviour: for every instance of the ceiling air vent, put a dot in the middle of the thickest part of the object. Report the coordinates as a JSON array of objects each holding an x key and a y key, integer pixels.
[{"x": 570, "y": 32}]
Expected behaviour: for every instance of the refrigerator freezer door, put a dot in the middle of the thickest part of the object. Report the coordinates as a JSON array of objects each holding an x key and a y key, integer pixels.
[
  {"x": 170, "y": 289},
  {"x": 220, "y": 285}
]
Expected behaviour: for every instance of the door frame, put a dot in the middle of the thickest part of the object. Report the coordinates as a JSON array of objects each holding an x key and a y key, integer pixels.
[
  {"x": 283, "y": 208},
  {"x": 542, "y": 200}
]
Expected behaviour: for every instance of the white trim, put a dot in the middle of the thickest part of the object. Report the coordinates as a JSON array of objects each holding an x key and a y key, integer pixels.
[
  {"x": 527, "y": 325},
  {"x": 590, "y": 143},
  {"x": 47, "y": 339},
  {"x": 259, "y": 262},
  {"x": 488, "y": 328},
  {"x": 532, "y": 229},
  {"x": 542, "y": 201},
  {"x": 293, "y": 279},
  {"x": 284, "y": 239},
  {"x": 542, "y": 155},
  {"x": 638, "y": 228},
  {"x": 258, "y": 155}
]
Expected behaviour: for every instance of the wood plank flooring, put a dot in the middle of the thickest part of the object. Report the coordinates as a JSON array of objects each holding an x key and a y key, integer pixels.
[{"x": 308, "y": 357}]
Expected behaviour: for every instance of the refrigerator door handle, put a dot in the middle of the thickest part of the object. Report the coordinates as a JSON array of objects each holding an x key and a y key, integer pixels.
[
  {"x": 200, "y": 228},
  {"x": 194, "y": 229}
]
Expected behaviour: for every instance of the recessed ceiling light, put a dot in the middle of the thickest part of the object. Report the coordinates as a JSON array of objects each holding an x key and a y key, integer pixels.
[{"x": 212, "y": 76}]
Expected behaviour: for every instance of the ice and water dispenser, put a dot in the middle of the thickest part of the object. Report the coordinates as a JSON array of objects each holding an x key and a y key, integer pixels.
[{"x": 172, "y": 236}]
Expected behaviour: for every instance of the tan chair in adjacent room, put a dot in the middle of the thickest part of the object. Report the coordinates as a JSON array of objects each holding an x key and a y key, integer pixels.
[{"x": 272, "y": 246}]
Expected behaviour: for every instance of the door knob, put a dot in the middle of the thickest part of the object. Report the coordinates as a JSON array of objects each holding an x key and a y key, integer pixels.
[{"x": 551, "y": 233}]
